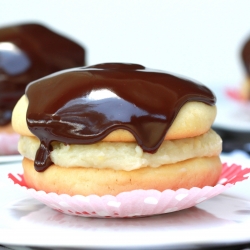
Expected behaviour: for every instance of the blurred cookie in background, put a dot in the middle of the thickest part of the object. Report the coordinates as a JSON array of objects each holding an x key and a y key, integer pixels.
[
  {"x": 245, "y": 57},
  {"x": 28, "y": 52}
]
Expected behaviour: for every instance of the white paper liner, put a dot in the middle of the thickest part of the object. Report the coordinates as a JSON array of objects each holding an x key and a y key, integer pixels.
[
  {"x": 135, "y": 203},
  {"x": 8, "y": 143}
]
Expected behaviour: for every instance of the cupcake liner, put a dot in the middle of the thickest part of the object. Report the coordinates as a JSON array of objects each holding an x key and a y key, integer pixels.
[
  {"x": 234, "y": 94},
  {"x": 239, "y": 109},
  {"x": 136, "y": 203},
  {"x": 8, "y": 143}
]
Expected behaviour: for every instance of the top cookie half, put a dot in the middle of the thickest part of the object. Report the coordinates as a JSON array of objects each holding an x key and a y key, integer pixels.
[{"x": 114, "y": 102}]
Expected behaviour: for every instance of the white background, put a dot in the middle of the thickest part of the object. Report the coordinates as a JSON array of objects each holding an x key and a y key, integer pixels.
[{"x": 200, "y": 39}]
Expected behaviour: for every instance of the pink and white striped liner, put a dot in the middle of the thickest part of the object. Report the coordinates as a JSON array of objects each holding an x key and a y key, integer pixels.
[{"x": 135, "y": 203}]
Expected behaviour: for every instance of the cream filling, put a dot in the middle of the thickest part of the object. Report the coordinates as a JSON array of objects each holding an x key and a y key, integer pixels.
[{"x": 125, "y": 155}]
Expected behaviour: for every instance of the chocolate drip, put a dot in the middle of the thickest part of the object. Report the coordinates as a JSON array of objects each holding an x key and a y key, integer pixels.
[
  {"x": 83, "y": 105},
  {"x": 29, "y": 52},
  {"x": 245, "y": 54}
]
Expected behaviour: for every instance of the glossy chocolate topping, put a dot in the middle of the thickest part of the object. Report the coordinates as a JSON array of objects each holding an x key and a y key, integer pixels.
[
  {"x": 245, "y": 54},
  {"x": 29, "y": 52},
  {"x": 83, "y": 105}
]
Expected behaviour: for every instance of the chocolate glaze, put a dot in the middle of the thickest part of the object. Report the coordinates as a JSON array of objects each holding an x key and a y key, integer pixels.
[
  {"x": 83, "y": 105},
  {"x": 29, "y": 52},
  {"x": 245, "y": 55}
]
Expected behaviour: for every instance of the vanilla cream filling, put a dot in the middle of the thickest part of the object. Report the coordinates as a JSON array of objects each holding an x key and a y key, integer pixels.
[{"x": 125, "y": 155}]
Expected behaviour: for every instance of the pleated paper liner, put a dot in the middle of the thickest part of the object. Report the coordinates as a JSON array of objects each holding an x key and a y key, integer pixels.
[
  {"x": 8, "y": 143},
  {"x": 233, "y": 93},
  {"x": 135, "y": 203}
]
